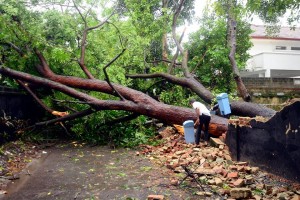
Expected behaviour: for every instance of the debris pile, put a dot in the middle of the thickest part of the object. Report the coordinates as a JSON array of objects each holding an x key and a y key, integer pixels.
[
  {"x": 245, "y": 121},
  {"x": 210, "y": 172}
]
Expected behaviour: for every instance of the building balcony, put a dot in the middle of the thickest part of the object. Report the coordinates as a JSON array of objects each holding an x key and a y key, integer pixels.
[{"x": 281, "y": 64}]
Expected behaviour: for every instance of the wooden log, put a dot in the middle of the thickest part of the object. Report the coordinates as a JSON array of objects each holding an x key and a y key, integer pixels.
[{"x": 215, "y": 128}]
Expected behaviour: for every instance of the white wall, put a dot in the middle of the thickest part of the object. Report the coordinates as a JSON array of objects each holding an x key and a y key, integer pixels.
[
  {"x": 269, "y": 45},
  {"x": 266, "y": 57}
]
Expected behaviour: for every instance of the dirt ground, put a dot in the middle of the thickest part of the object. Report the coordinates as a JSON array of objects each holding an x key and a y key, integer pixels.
[{"x": 76, "y": 171}]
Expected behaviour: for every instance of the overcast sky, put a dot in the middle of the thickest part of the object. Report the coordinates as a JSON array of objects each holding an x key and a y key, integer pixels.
[{"x": 201, "y": 4}]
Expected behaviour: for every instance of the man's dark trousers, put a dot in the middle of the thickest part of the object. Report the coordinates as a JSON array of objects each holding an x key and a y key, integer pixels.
[{"x": 204, "y": 120}]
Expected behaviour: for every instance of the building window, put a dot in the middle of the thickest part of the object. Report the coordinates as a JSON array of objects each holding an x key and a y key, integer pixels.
[
  {"x": 280, "y": 47},
  {"x": 296, "y": 81},
  {"x": 295, "y": 48}
]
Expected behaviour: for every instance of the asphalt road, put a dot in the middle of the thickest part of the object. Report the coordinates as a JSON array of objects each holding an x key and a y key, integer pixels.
[{"x": 81, "y": 172}]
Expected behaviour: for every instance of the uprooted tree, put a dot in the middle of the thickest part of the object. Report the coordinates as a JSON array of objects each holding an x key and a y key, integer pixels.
[{"x": 54, "y": 45}]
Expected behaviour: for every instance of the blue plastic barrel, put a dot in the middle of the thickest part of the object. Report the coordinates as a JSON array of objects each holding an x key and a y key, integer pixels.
[
  {"x": 224, "y": 105},
  {"x": 189, "y": 135}
]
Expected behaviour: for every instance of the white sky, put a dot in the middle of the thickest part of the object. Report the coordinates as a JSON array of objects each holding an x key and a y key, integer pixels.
[{"x": 201, "y": 4}]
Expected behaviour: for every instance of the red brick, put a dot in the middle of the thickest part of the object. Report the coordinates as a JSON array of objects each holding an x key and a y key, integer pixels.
[
  {"x": 156, "y": 197},
  {"x": 239, "y": 182},
  {"x": 232, "y": 175}
]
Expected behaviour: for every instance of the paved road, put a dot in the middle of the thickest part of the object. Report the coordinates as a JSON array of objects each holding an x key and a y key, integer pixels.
[{"x": 92, "y": 173}]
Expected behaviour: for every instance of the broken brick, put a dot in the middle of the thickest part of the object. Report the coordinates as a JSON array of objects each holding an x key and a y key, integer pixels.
[
  {"x": 240, "y": 193},
  {"x": 156, "y": 197},
  {"x": 232, "y": 175},
  {"x": 239, "y": 183}
]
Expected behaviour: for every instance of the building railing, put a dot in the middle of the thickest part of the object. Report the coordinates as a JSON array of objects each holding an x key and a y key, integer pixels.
[{"x": 283, "y": 60}]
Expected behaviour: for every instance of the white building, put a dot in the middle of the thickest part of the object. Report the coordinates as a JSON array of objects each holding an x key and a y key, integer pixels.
[{"x": 277, "y": 56}]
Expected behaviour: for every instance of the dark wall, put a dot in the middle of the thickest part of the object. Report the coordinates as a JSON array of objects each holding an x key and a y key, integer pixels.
[
  {"x": 273, "y": 146},
  {"x": 17, "y": 110},
  {"x": 18, "y": 105}
]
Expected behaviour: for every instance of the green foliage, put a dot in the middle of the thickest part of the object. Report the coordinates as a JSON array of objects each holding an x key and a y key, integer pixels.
[
  {"x": 175, "y": 95},
  {"x": 153, "y": 20},
  {"x": 259, "y": 192},
  {"x": 57, "y": 32},
  {"x": 271, "y": 10},
  {"x": 208, "y": 52},
  {"x": 127, "y": 134}
]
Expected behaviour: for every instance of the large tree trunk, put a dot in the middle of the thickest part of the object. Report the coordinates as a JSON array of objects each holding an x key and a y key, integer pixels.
[{"x": 138, "y": 103}]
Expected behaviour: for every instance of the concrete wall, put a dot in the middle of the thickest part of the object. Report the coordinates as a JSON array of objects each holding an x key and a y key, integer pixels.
[{"x": 269, "y": 45}]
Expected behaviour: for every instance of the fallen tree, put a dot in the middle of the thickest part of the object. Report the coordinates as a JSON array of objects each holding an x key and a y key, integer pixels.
[{"x": 130, "y": 100}]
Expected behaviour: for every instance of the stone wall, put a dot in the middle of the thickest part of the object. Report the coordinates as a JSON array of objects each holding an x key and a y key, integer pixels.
[
  {"x": 272, "y": 92},
  {"x": 290, "y": 83},
  {"x": 273, "y": 86},
  {"x": 273, "y": 145}
]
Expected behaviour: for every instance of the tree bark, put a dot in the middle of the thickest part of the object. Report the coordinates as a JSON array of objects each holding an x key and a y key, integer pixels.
[
  {"x": 238, "y": 108},
  {"x": 232, "y": 44},
  {"x": 164, "y": 37}
]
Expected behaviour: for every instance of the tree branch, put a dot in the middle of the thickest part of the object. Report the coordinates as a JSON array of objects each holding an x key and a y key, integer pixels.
[
  {"x": 106, "y": 75},
  {"x": 175, "y": 16},
  {"x": 81, "y": 60},
  {"x": 145, "y": 106},
  {"x": 190, "y": 82},
  {"x": 56, "y": 113},
  {"x": 119, "y": 120},
  {"x": 68, "y": 101},
  {"x": 92, "y": 101},
  {"x": 38, "y": 100},
  {"x": 139, "y": 97},
  {"x": 67, "y": 117},
  {"x": 163, "y": 60},
  {"x": 232, "y": 24},
  {"x": 13, "y": 46},
  {"x": 81, "y": 15},
  {"x": 184, "y": 54},
  {"x": 172, "y": 65},
  {"x": 120, "y": 38}
]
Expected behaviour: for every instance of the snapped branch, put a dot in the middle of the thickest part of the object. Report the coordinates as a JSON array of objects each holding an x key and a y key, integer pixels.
[{"x": 67, "y": 117}]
